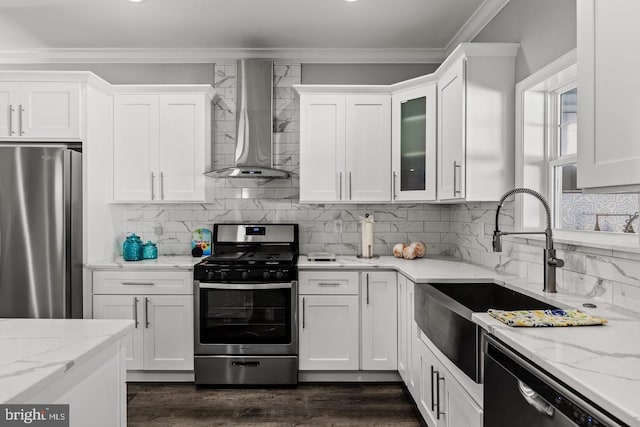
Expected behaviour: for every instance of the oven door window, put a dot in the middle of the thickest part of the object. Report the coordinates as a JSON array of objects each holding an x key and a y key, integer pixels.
[{"x": 260, "y": 316}]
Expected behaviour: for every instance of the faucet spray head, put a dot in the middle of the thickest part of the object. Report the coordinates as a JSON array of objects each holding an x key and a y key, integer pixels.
[{"x": 497, "y": 241}]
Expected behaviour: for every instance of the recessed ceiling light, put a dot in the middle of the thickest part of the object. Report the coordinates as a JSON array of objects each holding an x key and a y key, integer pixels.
[
  {"x": 136, "y": 1},
  {"x": 349, "y": 1}
]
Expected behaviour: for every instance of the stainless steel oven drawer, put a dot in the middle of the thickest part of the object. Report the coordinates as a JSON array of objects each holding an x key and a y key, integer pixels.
[{"x": 246, "y": 370}]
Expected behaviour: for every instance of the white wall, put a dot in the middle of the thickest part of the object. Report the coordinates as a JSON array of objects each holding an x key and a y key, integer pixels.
[{"x": 545, "y": 29}]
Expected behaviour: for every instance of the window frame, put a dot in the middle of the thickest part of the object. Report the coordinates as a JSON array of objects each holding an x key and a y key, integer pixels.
[{"x": 553, "y": 78}]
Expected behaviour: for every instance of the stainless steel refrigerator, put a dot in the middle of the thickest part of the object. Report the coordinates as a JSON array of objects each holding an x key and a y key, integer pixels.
[{"x": 40, "y": 231}]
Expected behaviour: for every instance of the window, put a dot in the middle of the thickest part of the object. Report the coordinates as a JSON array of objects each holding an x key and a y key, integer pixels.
[{"x": 547, "y": 150}]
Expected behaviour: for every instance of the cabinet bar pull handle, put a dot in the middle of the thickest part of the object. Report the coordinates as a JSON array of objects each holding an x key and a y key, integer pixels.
[
  {"x": 20, "y": 111},
  {"x": 439, "y": 412},
  {"x": 367, "y": 288},
  {"x": 340, "y": 186},
  {"x": 146, "y": 312},
  {"x": 395, "y": 178},
  {"x": 433, "y": 402},
  {"x": 135, "y": 311},
  {"x": 350, "y": 190},
  {"x": 11, "y": 110},
  {"x": 161, "y": 185},
  {"x": 153, "y": 193},
  {"x": 138, "y": 283},
  {"x": 303, "y": 313},
  {"x": 456, "y": 166},
  {"x": 328, "y": 284}
]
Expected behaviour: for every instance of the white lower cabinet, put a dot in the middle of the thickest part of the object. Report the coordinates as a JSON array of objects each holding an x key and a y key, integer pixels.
[
  {"x": 440, "y": 398},
  {"x": 348, "y": 321},
  {"x": 124, "y": 307},
  {"x": 161, "y": 304},
  {"x": 442, "y": 401},
  {"x": 162, "y": 338},
  {"x": 379, "y": 321},
  {"x": 329, "y": 331},
  {"x": 461, "y": 411}
]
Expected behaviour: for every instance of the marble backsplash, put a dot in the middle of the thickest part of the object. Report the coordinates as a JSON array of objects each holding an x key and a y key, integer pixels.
[
  {"x": 332, "y": 228},
  {"x": 610, "y": 275}
]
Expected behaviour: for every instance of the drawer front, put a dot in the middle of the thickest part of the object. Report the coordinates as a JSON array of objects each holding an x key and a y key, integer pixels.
[
  {"x": 142, "y": 282},
  {"x": 328, "y": 282}
]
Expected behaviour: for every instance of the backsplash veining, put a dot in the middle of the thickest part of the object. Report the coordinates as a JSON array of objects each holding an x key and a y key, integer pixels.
[
  {"x": 610, "y": 275},
  {"x": 332, "y": 228}
]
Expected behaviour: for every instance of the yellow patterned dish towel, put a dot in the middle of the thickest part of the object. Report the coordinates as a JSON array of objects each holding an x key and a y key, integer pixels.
[{"x": 543, "y": 318}]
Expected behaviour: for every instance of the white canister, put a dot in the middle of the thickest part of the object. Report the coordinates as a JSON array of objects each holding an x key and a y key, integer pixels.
[{"x": 367, "y": 236}]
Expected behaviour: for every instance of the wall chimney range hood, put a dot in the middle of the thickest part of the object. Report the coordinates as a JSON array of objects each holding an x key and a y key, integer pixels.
[{"x": 254, "y": 123}]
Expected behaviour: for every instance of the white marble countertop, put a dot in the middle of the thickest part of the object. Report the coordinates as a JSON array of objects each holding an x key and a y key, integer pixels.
[
  {"x": 600, "y": 362},
  {"x": 37, "y": 352},
  {"x": 165, "y": 262}
]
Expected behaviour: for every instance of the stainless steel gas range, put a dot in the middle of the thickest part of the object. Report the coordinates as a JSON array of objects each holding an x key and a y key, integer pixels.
[{"x": 246, "y": 313}]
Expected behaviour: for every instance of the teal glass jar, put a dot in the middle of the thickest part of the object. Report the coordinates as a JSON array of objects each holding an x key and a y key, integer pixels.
[
  {"x": 150, "y": 250},
  {"x": 132, "y": 248}
]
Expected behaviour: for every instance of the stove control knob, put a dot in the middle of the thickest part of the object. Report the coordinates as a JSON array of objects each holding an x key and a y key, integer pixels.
[
  {"x": 266, "y": 275},
  {"x": 223, "y": 275},
  {"x": 210, "y": 276},
  {"x": 279, "y": 275},
  {"x": 245, "y": 275}
]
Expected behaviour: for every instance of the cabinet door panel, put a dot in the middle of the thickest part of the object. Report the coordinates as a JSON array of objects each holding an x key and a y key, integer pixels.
[
  {"x": 9, "y": 100},
  {"x": 461, "y": 411},
  {"x": 403, "y": 321},
  {"x": 414, "y": 144},
  {"x": 608, "y": 101},
  {"x": 451, "y": 133},
  {"x": 181, "y": 154},
  {"x": 379, "y": 321},
  {"x": 427, "y": 399},
  {"x": 124, "y": 307},
  {"x": 322, "y": 148},
  {"x": 368, "y": 148},
  {"x": 168, "y": 337},
  {"x": 135, "y": 148},
  {"x": 51, "y": 109},
  {"x": 329, "y": 332},
  {"x": 413, "y": 348}
]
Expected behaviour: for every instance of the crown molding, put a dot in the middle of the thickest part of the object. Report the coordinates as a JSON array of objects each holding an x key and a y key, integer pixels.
[
  {"x": 196, "y": 55},
  {"x": 476, "y": 22}
]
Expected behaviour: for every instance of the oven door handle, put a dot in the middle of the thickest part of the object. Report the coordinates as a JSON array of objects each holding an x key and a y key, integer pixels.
[{"x": 245, "y": 286}]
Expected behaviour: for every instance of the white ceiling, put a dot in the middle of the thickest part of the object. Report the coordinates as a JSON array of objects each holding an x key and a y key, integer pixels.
[{"x": 237, "y": 24}]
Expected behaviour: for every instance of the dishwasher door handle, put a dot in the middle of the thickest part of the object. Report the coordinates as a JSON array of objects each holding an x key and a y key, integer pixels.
[{"x": 535, "y": 400}]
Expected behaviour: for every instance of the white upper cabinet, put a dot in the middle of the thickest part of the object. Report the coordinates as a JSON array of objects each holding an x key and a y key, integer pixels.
[
  {"x": 160, "y": 143},
  {"x": 444, "y": 137},
  {"x": 182, "y": 147},
  {"x": 413, "y": 150},
  {"x": 451, "y": 132},
  {"x": 135, "y": 147},
  {"x": 345, "y": 144},
  {"x": 322, "y": 148},
  {"x": 476, "y": 87},
  {"x": 39, "y": 110},
  {"x": 609, "y": 104},
  {"x": 368, "y": 147}
]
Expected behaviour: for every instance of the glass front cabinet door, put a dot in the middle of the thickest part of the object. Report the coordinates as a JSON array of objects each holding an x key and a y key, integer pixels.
[{"x": 414, "y": 144}]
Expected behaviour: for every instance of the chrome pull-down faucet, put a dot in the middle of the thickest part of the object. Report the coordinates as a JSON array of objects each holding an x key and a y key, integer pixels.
[{"x": 550, "y": 262}]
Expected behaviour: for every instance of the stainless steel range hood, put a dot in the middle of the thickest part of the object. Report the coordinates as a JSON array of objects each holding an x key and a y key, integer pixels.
[{"x": 254, "y": 123}]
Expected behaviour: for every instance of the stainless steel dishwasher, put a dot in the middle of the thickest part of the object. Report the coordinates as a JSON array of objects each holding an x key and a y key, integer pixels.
[{"x": 519, "y": 394}]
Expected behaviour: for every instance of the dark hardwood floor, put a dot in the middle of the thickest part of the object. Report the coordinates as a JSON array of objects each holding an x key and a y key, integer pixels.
[{"x": 184, "y": 405}]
